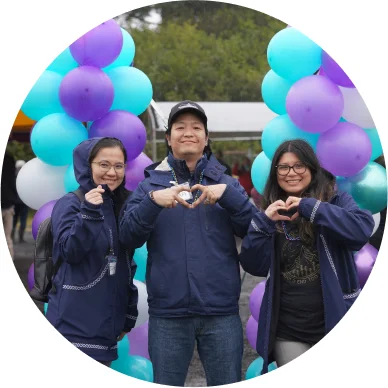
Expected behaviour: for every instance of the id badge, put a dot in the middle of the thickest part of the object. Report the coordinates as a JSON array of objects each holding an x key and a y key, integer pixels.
[
  {"x": 112, "y": 263},
  {"x": 186, "y": 195}
]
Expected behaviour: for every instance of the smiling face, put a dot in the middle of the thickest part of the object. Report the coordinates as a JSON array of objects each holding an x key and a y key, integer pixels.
[
  {"x": 102, "y": 174},
  {"x": 293, "y": 183},
  {"x": 188, "y": 137}
]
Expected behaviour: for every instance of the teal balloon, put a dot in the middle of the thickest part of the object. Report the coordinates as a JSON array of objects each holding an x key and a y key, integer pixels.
[
  {"x": 127, "y": 52},
  {"x": 43, "y": 98},
  {"x": 123, "y": 348},
  {"x": 137, "y": 367},
  {"x": 280, "y": 129},
  {"x": 71, "y": 183},
  {"x": 132, "y": 89},
  {"x": 369, "y": 188},
  {"x": 45, "y": 307},
  {"x": 140, "y": 258},
  {"x": 261, "y": 167},
  {"x": 377, "y": 148},
  {"x": 292, "y": 55},
  {"x": 274, "y": 90},
  {"x": 63, "y": 63},
  {"x": 256, "y": 367},
  {"x": 54, "y": 138}
]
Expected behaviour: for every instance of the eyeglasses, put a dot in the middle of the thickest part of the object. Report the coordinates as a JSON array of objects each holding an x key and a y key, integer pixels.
[
  {"x": 283, "y": 169},
  {"x": 106, "y": 166}
]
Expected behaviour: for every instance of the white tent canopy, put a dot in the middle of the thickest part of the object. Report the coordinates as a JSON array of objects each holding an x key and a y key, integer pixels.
[{"x": 231, "y": 119}]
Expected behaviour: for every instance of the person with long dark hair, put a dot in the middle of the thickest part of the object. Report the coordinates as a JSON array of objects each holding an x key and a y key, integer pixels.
[
  {"x": 93, "y": 301},
  {"x": 303, "y": 241}
]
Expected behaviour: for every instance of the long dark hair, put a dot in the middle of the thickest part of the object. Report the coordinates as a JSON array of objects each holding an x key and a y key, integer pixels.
[
  {"x": 120, "y": 194},
  {"x": 322, "y": 185}
]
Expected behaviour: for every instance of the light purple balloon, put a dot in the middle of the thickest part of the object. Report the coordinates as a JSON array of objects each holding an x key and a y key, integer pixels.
[
  {"x": 344, "y": 150},
  {"x": 134, "y": 173},
  {"x": 124, "y": 126},
  {"x": 43, "y": 212},
  {"x": 251, "y": 332},
  {"x": 365, "y": 259},
  {"x": 255, "y": 300},
  {"x": 314, "y": 104},
  {"x": 30, "y": 277},
  {"x": 100, "y": 46},
  {"x": 86, "y": 93},
  {"x": 138, "y": 340},
  {"x": 335, "y": 72}
]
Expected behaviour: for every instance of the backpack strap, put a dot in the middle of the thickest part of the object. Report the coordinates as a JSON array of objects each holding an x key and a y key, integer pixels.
[{"x": 80, "y": 194}]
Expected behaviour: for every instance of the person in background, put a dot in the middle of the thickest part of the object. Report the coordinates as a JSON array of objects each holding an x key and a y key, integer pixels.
[
  {"x": 9, "y": 197},
  {"x": 21, "y": 211},
  {"x": 220, "y": 158},
  {"x": 243, "y": 171}
]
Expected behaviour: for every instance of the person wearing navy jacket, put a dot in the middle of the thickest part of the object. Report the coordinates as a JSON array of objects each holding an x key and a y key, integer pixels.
[
  {"x": 189, "y": 212},
  {"x": 93, "y": 301},
  {"x": 303, "y": 242}
]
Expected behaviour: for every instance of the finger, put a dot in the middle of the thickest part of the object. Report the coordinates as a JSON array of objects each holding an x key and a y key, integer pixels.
[
  {"x": 296, "y": 215},
  {"x": 180, "y": 200},
  {"x": 198, "y": 187},
  {"x": 279, "y": 202},
  {"x": 291, "y": 200}
]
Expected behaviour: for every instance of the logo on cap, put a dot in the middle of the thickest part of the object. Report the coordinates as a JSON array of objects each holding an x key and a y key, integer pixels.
[{"x": 188, "y": 105}]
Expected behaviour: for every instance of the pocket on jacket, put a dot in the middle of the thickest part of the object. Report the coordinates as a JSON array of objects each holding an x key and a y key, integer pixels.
[{"x": 87, "y": 309}]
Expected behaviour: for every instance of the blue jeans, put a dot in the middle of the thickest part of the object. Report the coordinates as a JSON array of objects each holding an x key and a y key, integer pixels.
[{"x": 171, "y": 343}]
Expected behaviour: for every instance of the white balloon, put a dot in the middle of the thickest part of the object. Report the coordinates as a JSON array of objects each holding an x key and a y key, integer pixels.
[
  {"x": 38, "y": 183},
  {"x": 376, "y": 218},
  {"x": 142, "y": 304},
  {"x": 355, "y": 109}
]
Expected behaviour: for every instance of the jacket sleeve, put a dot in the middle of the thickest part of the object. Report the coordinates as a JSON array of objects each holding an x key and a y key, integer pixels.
[
  {"x": 138, "y": 220},
  {"x": 236, "y": 202},
  {"x": 257, "y": 246},
  {"x": 132, "y": 312},
  {"x": 346, "y": 222},
  {"x": 75, "y": 226}
]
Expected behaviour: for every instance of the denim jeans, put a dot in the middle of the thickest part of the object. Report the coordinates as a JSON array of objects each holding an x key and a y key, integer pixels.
[{"x": 171, "y": 343}]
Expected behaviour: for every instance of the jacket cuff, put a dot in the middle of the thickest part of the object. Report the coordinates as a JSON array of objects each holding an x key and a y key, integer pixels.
[
  {"x": 91, "y": 212},
  {"x": 308, "y": 208}
]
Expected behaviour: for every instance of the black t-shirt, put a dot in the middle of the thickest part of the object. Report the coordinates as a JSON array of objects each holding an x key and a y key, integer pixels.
[{"x": 301, "y": 310}]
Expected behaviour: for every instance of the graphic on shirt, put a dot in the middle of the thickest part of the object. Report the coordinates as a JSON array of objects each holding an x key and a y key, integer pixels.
[{"x": 299, "y": 263}]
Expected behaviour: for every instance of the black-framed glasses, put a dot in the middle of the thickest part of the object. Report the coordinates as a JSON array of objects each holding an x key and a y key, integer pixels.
[
  {"x": 106, "y": 166},
  {"x": 284, "y": 169}
]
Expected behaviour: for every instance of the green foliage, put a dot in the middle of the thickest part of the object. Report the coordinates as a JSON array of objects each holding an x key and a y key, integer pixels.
[{"x": 20, "y": 150}]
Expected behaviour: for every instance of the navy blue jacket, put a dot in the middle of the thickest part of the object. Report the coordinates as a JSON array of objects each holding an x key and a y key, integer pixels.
[
  {"x": 89, "y": 307},
  {"x": 341, "y": 227},
  {"x": 192, "y": 265}
]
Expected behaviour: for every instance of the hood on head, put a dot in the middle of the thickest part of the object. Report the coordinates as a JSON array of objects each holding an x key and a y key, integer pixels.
[{"x": 82, "y": 169}]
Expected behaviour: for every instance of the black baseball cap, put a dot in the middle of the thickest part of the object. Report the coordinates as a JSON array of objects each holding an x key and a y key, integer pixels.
[{"x": 187, "y": 106}]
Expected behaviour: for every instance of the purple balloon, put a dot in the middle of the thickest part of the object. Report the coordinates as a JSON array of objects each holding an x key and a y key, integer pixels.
[
  {"x": 321, "y": 71},
  {"x": 86, "y": 93},
  {"x": 344, "y": 150},
  {"x": 124, "y": 126},
  {"x": 255, "y": 300},
  {"x": 134, "y": 172},
  {"x": 251, "y": 332},
  {"x": 100, "y": 46},
  {"x": 314, "y": 104},
  {"x": 365, "y": 259},
  {"x": 30, "y": 277},
  {"x": 43, "y": 212},
  {"x": 138, "y": 340},
  {"x": 335, "y": 72}
]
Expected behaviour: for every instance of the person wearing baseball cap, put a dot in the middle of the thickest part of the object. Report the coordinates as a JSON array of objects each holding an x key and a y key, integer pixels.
[{"x": 188, "y": 212}]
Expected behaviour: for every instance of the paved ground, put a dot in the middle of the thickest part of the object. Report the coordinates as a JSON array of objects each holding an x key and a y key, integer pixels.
[{"x": 196, "y": 376}]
